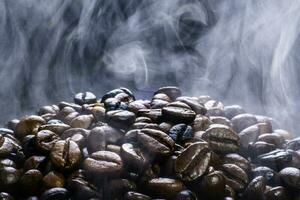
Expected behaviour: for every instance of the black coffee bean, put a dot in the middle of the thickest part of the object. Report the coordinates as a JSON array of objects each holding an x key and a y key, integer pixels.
[
  {"x": 136, "y": 196},
  {"x": 114, "y": 104},
  {"x": 294, "y": 144},
  {"x": 222, "y": 139},
  {"x": 82, "y": 121},
  {"x": 85, "y": 98},
  {"x": 31, "y": 181},
  {"x": 255, "y": 189},
  {"x": 104, "y": 163},
  {"x": 247, "y": 136},
  {"x": 9, "y": 178},
  {"x": 55, "y": 194},
  {"x": 236, "y": 177},
  {"x": 193, "y": 162},
  {"x": 171, "y": 91},
  {"x": 178, "y": 114},
  {"x": 259, "y": 148},
  {"x": 120, "y": 118},
  {"x": 186, "y": 195},
  {"x": 82, "y": 189},
  {"x": 277, "y": 193},
  {"x": 181, "y": 132},
  {"x": 290, "y": 177},
  {"x": 275, "y": 159},
  {"x": 242, "y": 121},
  {"x": 271, "y": 176},
  {"x": 194, "y": 104},
  {"x": 237, "y": 160},
  {"x": 7, "y": 146},
  {"x": 164, "y": 187},
  {"x": 133, "y": 157},
  {"x": 65, "y": 155}
]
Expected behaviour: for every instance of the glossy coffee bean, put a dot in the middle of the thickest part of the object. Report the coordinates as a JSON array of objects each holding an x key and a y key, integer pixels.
[
  {"x": 154, "y": 114},
  {"x": 7, "y": 146},
  {"x": 247, "y": 136},
  {"x": 294, "y": 144},
  {"x": 271, "y": 176},
  {"x": 156, "y": 142},
  {"x": 96, "y": 140},
  {"x": 5, "y": 196},
  {"x": 85, "y": 98},
  {"x": 178, "y": 114},
  {"x": 9, "y": 178},
  {"x": 237, "y": 160},
  {"x": 255, "y": 188},
  {"x": 290, "y": 177},
  {"x": 78, "y": 135},
  {"x": 193, "y": 162},
  {"x": 115, "y": 92},
  {"x": 186, "y": 195},
  {"x": 236, "y": 177},
  {"x": 194, "y": 104},
  {"x": 45, "y": 140},
  {"x": 82, "y": 121},
  {"x": 275, "y": 159},
  {"x": 114, "y": 104},
  {"x": 53, "y": 179},
  {"x": 181, "y": 132},
  {"x": 103, "y": 163},
  {"x": 133, "y": 157},
  {"x": 242, "y": 121},
  {"x": 201, "y": 123},
  {"x": 82, "y": 189},
  {"x": 220, "y": 120},
  {"x": 171, "y": 91},
  {"x": 271, "y": 138},
  {"x": 277, "y": 193},
  {"x": 221, "y": 139},
  {"x": 30, "y": 182},
  {"x": 120, "y": 118},
  {"x": 28, "y": 125},
  {"x": 232, "y": 111},
  {"x": 136, "y": 196},
  {"x": 65, "y": 155},
  {"x": 55, "y": 194},
  {"x": 164, "y": 187}
]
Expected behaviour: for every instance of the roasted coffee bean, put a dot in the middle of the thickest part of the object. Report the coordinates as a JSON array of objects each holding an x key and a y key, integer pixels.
[
  {"x": 294, "y": 144},
  {"x": 259, "y": 148},
  {"x": 193, "y": 162},
  {"x": 133, "y": 157},
  {"x": 255, "y": 189},
  {"x": 75, "y": 106},
  {"x": 77, "y": 135},
  {"x": 272, "y": 138},
  {"x": 247, "y": 136},
  {"x": 290, "y": 177},
  {"x": 114, "y": 148},
  {"x": 236, "y": 177},
  {"x": 117, "y": 188},
  {"x": 69, "y": 118},
  {"x": 136, "y": 196},
  {"x": 178, "y": 114},
  {"x": 82, "y": 121},
  {"x": 186, "y": 195},
  {"x": 164, "y": 187},
  {"x": 114, "y": 104},
  {"x": 65, "y": 155},
  {"x": 31, "y": 181},
  {"x": 45, "y": 140},
  {"x": 82, "y": 189},
  {"x": 285, "y": 134},
  {"x": 271, "y": 177},
  {"x": 12, "y": 124},
  {"x": 277, "y": 193},
  {"x": 5, "y": 196},
  {"x": 56, "y": 126},
  {"x": 212, "y": 186},
  {"x": 96, "y": 140},
  {"x": 103, "y": 163},
  {"x": 120, "y": 118},
  {"x": 237, "y": 160},
  {"x": 52, "y": 109},
  {"x": 156, "y": 142},
  {"x": 28, "y": 125},
  {"x": 154, "y": 114},
  {"x": 7, "y": 163},
  {"x": 7, "y": 146},
  {"x": 158, "y": 103},
  {"x": 135, "y": 106},
  {"x": 85, "y": 98},
  {"x": 53, "y": 179},
  {"x": 221, "y": 138},
  {"x": 9, "y": 178},
  {"x": 171, "y": 91},
  {"x": 165, "y": 126},
  {"x": 55, "y": 194},
  {"x": 181, "y": 132},
  {"x": 242, "y": 121},
  {"x": 112, "y": 135},
  {"x": 194, "y": 104},
  {"x": 201, "y": 123},
  {"x": 275, "y": 159},
  {"x": 232, "y": 111},
  {"x": 229, "y": 192},
  {"x": 115, "y": 92},
  {"x": 220, "y": 120}
]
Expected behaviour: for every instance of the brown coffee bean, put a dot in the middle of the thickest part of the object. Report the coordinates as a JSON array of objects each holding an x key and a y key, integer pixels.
[
  {"x": 255, "y": 189},
  {"x": 220, "y": 120},
  {"x": 135, "y": 106},
  {"x": 194, "y": 104},
  {"x": 53, "y": 179},
  {"x": 82, "y": 189},
  {"x": 237, "y": 160},
  {"x": 52, "y": 109},
  {"x": 29, "y": 125},
  {"x": 96, "y": 140},
  {"x": 236, "y": 177},
  {"x": 193, "y": 162},
  {"x": 171, "y": 91},
  {"x": 164, "y": 187},
  {"x": 85, "y": 98},
  {"x": 232, "y": 111},
  {"x": 9, "y": 178},
  {"x": 7, "y": 146},
  {"x": 120, "y": 118},
  {"x": 242, "y": 121},
  {"x": 290, "y": 177},
  {"x": 35, "y": 162},
  {"x": 117, "y": 188},
  {"x": 65, "y": 154},
  {"x": 82, "y": 121},
  {"x": 136, "y": 196},
  {"x": 201, "y": 123},
  {"x": 12, "y": 124},
  {"x": 75, "y": 106},
  {"x": 271, "y": 138},
  {"x": 247, "y": 136},
  {"x": 156, "y": 141},
  {"x": 45, "y": 140},
  {"x": 221, "y": 139},
  {"x": 154, "y": 114},
  {"x": 57, "y": 128},
  {"x": 31, "y": 181},
  {"x": 277, "y": 193},
  {"x": 294, "y": 144},
  {"x": 78, "y": 135},
  {"x": 178, "y": 114},
  {"x": 285, "y": 134},
  {"x": 259, "y": 148},
  {"x": 104, "y": 163},
  {"x": 114, "y": 148},
  {"x": 133, "y": 157}
]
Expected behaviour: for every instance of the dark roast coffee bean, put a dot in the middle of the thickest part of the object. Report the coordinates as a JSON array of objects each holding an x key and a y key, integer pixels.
[
  {"x": 96, "y": 140},
  {"x": 53, "y": 179},
  {"x": 65, "y": 154},
  {"x": 213, "y": 104},
  {"x": 193, "y": 162},
  {"x": 82, "y": 121},
  {"x": 270, "y": 175},
  {"x": 57, "y": 128},
  {"x": 12, "y": 124},
  {"x": 271, "y": 138},
  {"x": 242, "y": 121},
  {"x": 9, "y": 178},
  {"x": 212, "y": 186},
  {"x": 82, "y": 189},
  {"x": 290, "y": 177},
  {"x": 133, "y": 157},
  {"x": 186, "y": 195},
  {"x": 31, "y": 181},
  {"x": 120, "y": 118},
  {"x": 115, "y": 92},
  {"x": 104, "y": 163},
  {"x": 35, "y": 162},
  {"x": 181, "y": 132},
  {"x": 201, "y": 123},
  {"x": 194, "y": 104},
  {"x": 221, "y": 138},
  {"x": 237, "y": 160},
  {"x": 77, "y": 135},
  {"x": 45, "y": 140},
  {"x": 255, "y": 189},
  {"x": 156, "y": 142},
  {"x": 154, "y": 114},
  {"x": 85, "y": 98},
  {"x": 275, "y": 159},
  {"x": 178, "y": 114},
  {"x": 259, "y": 148},
  {"x": 7, "y": 146},
  {"x": 135, "y": 106},
  {"x": 143, "y": 119},
  {"x": 55, "y": 194},
  {"x": 114, "y": 104},
  {"x": 236, "y": 177},
  {"x": 247, "y": 136},
  {"x": 28, "y": 125},
  {"x": 114, "y": 148},
  {"x": 164, "y": 187},
  {"x": 294, "y": 144},
  {"x": 171, "y": 91},
  {"x": 277, "y": 193},
  {"x": 7, "y": 163},
  {"x": 220, "y": 120},
  {"x": 232, "y": 111},
  {"x": 285, "y": 134},
  {"x": 75, "y": 106},
  {"x": 117, "y": 188},
  {"x": 52, "y": 109},
  {"x": 136, "y": 196}
]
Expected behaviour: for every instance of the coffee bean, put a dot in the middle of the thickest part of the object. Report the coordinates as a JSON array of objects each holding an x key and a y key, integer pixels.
[
  {"x": 96, "y": 140},
  {"x": 285, "y": 134},
  {"x": 201, "y": 123},
  {"x": 220, "y": 120},
  {"x": 117, "y": 188},
  {"x": 255, "y": 189},
  {"x": 6, "y": 196},
  {"x": 186, "y": 195},
  {"x": 221, "y": 138},
  {"x": 29, "y": 125},
  {"x": 194, "y": 104},
  {"x": 136, "y": 196},
  {"x": 9, "y": 178},
  {"x": 52, "y": 109},
  {"x": 275, "y": 159},
  {"x": 104, "y": 163},
  {"x": 164, "y": 187},
  {"x": 7, "y": 146},
  {"x": 85, "y": 98},
  {"x": 120, "y": 118},
  {"x": 82, "y": 121},
  {"x": 171, "y": 91},
  {"x": 55, "y": 194},
  {"x": 156, "y": 142},
  {"x": 294, "y": 144},
  {"x": 114, "y": 104},
  {"x": 133, "y": 157},
  {"x": 277, "y": 193},
  {"x": 247, "y": 136},
  {"x": 271, "y": 138},
  {"x": 271, "y": 176},
  {"x": 57, "y": 127},
  {"x": 82, "y": 189},
  {"x": 31, "y": 181},
  {"x": 236, "y": 177},
  {"x": 78, "y": 135},
  {"x": 212, "y": 186},
  {"x": 193, "y": 162},
  {"x": 178, "y": 114},
  {"x": 181, "y": 132},
  {"x": 135, "y": 106},
  {"x": 232, "y": 111},
  {"x": 237, "y": 160},
  {"x": 242, "y": 121},
  {"x": 45, "y": 140},
  {"x": 65, "y": 155},
  {"x": 290, "y": 176},
  {"x": 53, "y": 179},
  {"x": 154, "y": 114}
]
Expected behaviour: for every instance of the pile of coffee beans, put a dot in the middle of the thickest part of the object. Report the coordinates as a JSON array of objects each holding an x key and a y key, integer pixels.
[{"x": 169, "y": 147}]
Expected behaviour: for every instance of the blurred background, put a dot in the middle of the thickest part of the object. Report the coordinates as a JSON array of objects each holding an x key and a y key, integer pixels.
[{"x": 240, "y": 52}]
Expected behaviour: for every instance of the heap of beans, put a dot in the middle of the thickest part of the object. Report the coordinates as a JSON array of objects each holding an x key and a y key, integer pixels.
[{"x": 171, "y": 147}]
